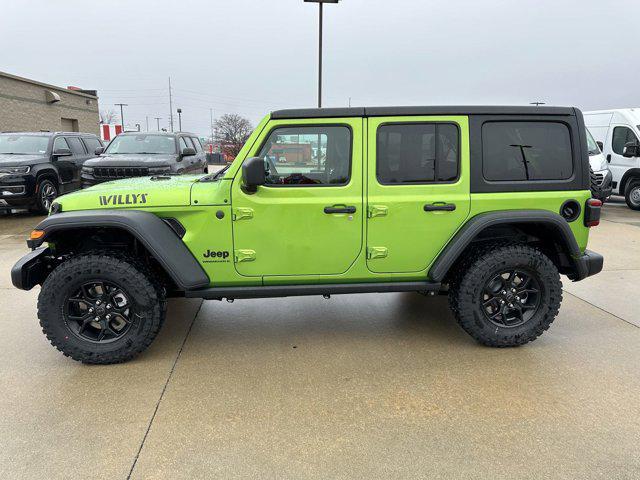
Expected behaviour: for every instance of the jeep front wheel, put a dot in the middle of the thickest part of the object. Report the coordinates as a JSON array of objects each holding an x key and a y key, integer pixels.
[
  {"x": 99, "y": 309},
  {"x": 632, "y": 195},
  {"x": 46, "y": 193},
  {"x": 507, "y": 296}
]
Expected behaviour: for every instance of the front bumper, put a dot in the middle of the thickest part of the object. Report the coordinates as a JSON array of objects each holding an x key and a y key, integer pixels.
[
  {"x": 16, "y": 187},
  {"x": 588, "y": 264},
  {"x": 31, "y": 269}
]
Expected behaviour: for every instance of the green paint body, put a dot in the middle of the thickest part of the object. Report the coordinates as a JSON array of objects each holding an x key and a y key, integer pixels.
[{"x": 281, "y": 235}]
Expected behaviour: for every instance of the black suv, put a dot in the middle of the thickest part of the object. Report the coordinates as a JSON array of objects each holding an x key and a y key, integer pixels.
[
  {"x": 36, "y": 167},
  {"x": 136, "y": 154}
]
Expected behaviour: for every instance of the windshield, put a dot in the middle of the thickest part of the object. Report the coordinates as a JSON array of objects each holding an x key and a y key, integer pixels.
[
  {"x": 150, "y": 144},
  {"x": 592, "y": 145},
  {"x": 23, "y": 144}
]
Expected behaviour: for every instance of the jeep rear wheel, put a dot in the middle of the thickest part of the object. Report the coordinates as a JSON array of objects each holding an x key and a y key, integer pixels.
[
  {"x": 632, "y": 195},
  {"x": 507, "y": 296},
  {"x": 100, "y": 309}
]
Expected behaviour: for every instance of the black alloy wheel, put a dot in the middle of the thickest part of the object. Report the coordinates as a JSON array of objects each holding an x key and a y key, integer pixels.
[
  {"x": 511, "y": 298},
  {"x": 98, "y": 311}
]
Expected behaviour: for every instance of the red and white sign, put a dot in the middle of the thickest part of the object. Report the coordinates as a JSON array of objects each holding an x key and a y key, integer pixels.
[{"x": 107, "y": 132}]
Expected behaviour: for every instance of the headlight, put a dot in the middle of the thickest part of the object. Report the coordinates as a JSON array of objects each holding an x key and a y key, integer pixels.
[
  {"x": 15, "y": 170},
  {"x": 155, "y": 170}
]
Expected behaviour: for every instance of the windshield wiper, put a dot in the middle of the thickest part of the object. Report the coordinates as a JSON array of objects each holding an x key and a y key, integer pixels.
[{"x": 216, "y": 175}]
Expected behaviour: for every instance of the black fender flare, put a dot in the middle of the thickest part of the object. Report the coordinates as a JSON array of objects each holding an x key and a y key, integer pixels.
[
  {"x": 150, "y": 230},
  {"x": 628, "y": 175},
  {"x": 477, "y": 224}
]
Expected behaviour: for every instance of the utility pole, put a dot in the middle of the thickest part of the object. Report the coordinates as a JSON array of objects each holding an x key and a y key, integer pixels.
[
  {"x": 179, "y": 119},
  {"x": 147, "y": 117},
  {"x": 349, "y": 101},
  {"x": 170, "y": 106},
  {"x": 158, "y": 120},
  {"x": 122, "y": 113},
  {"x": 537, "y": 104}
]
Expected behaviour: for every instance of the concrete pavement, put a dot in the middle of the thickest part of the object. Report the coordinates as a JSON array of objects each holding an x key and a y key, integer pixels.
[{"x": 366, "y": 386}]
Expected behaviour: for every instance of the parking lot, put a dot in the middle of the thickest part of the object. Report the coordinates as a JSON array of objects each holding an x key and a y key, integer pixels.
[{"x": 369, "y": 386}]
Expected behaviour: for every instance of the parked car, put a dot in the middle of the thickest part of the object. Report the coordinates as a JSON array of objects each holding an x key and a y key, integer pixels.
[
  {"x": 135, "y": 154},
  {"x": 617, "y": 133},
  {"x": 600, "y": 173},
  {"x": 487, "y": 204},
  {"x": 36, "y": 167}
]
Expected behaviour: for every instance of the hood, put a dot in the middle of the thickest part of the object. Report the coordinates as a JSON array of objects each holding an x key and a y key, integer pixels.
[
  {"x": 138, "y": 193},
  {"x": 7, "y": 160},
  {"x": 132, "y": 160}
]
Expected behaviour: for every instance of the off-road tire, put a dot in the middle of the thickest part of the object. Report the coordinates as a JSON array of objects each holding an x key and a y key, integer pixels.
[
  {"x": 147, "y": 303},
  {"x": 40, "y": 205},
  {"x": 632, "y": 194},
  {"x": 466, "y": 294}
]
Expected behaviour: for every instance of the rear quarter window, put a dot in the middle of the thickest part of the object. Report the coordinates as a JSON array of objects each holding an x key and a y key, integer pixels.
[{"x": 525, "y": 151}]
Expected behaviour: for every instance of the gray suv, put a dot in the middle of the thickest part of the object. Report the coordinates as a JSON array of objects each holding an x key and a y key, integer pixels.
[{"x": 140, "y": 154}]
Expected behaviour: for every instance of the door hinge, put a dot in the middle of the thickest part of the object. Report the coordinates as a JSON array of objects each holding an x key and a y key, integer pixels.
[
  {"x": 242, "y": 213},
  {"x": 377, "y": 211},
  {"x": 244, "y": 255},
  {"x": 377, "y": 252}
]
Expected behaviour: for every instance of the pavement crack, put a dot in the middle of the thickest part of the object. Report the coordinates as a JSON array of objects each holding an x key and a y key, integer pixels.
[
  {"x": 601, "y": 309},
  {"x": 164, "y": 389}
]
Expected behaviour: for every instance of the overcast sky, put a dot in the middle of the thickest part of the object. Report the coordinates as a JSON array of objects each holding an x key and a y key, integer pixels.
[{"x": 253, "y": 56}]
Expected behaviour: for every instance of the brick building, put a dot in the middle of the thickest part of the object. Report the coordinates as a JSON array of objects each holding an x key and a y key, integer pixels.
[{"x": 28, "y": 105}]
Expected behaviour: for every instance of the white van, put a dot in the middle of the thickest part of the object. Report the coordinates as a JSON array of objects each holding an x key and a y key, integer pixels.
[
  {"x": 600, "y": 174},
  {"x": 617, "y": 133}
]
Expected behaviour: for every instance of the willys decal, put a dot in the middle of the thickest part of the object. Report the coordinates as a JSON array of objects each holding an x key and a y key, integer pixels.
[{"x": 126, "y": 199}]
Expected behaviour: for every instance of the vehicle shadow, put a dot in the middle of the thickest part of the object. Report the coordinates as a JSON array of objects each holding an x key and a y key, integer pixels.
[{"x": 309, "y": 319}]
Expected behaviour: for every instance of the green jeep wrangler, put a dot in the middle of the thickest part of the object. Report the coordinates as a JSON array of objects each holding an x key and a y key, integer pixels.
[{"x": 486, "y": 204}]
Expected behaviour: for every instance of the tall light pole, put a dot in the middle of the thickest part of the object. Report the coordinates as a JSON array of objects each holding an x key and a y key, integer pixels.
[
  {"x": 320, "y": 4},
  {"x": 179, "y": 119},
  {"x": 158, "y": 120},
  {"x": 170, "y": 106},
  {"x": 122, "y": 113}
]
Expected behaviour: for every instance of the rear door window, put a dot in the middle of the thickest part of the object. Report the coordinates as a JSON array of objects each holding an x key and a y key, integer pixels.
[
  {"x": 76, "y": 145},
  {"x": 417, "y": 153},
  {"x": 521, "y": 151},
  {"x": 91, "y": 144}
]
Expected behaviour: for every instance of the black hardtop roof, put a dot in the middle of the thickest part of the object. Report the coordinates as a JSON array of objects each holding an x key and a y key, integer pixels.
[
  {"x": 425, "y": 110},
  {"x": 49, "y": 134}
]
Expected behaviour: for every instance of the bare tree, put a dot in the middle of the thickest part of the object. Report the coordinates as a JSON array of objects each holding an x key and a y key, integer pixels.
[
  {"x": 108, "y": 116},
  {"x": 231, "y": 131}
]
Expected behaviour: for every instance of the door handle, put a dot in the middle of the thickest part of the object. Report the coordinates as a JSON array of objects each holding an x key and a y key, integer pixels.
[
  {"x": 609, "y": 158},
  {"x": 439, "y": 207},
  {"x": 339, "y": 209}
]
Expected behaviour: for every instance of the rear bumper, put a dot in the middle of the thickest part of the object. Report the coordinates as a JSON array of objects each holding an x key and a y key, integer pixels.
[{"x": 589, "y": 263}]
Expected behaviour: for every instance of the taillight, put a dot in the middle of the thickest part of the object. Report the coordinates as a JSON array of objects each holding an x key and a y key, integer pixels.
[{"x": 592, "y": 212}]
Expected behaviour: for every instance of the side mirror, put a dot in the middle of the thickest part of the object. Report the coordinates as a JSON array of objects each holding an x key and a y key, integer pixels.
[
  {"x": 99, "y": 151},
  {"x": 631, "y": 149},
  {"x": 62, "y": 152},
  {"x": 253, "y": 174},
  {"x": 188, "y": 152},
  {"x": 600, "y": 146}
]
